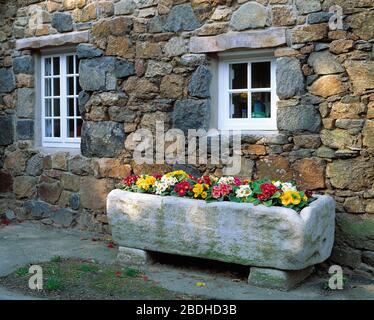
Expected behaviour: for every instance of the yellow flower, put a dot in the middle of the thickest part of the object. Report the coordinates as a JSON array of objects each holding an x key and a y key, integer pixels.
[
  {"x": 290, "y": 197},
  {"x": 296, "y": 199},
  {"x": 145, "y": 182},
  {"x": 180, "y": 173},
  {"x": 197, "y": 190},
  {"x": 286, "y": 198},
  {"x": 305, "y": 198},
  {"x": 204, "y": 195}
]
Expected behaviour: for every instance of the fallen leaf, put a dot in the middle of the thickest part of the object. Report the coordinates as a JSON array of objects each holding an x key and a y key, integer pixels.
[
  {"x": 110, "y": 245},
  {"x": 200, "y": 284}
]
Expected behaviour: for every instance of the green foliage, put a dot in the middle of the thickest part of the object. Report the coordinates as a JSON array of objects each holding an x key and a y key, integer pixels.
[
  {"x": 131, "y": 272},
  {"x": 56, "y": 259},
  {"x": 22, "y": 272},
  {"x": 53, "y": 284}
]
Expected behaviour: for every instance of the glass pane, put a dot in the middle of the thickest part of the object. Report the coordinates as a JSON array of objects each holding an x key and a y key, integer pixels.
[
  {"x": 48, "y": 87},
  {"x": 70, "y": 86},
  {"x": 70, "y": 65},
  {"x": 48, "y": 107},
  {"x": 70, "y": 128},
  {"x": 261, "y": 105},
  {"x": 70, "y": 107},
  {"x": 261, "y": 75},
  {"x": 48, "y": 127},
  {"x": 238, "y": 76},
  {"x": 56, "y": 128},
  {"x": 56, "y": 66},
  {"x": 47, "y": 66},
  {"x": 239, "y": 105},
  {"x": 56, "y": 87},
  {"x": 56, "y": 107},
  {"x": 76, "y": 64},
  {"x": 79, "y": 127},
  {"x": 78, "y": 87}
]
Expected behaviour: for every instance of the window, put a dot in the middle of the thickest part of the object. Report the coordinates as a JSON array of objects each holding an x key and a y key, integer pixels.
[
  {"x": 247, "y": 95},
  {"x": 61, "y": 121}
]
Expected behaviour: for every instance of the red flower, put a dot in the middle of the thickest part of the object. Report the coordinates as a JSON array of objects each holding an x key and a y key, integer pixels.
[
  {"x": 110, "y": 245},
  {"x": 118, "y": 274},
  {"x": 182, "y": 188},
  {"x": 268, "y": 189},
  {"x": 309, "y": 193},
  {"x": 158, "y": 176},
  {"x": 130, "y": 180}
]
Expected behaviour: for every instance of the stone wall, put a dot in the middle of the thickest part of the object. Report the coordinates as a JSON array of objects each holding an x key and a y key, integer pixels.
[{"x": 147, "y": 60}]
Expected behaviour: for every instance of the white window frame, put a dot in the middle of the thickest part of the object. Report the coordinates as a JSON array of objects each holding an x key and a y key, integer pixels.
[
  {"x": 248, "y": 124},
  {"x": 64, "y": 141}
]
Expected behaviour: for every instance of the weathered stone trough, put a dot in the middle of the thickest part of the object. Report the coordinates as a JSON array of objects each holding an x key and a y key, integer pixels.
[{"x": 280, "y": 245}]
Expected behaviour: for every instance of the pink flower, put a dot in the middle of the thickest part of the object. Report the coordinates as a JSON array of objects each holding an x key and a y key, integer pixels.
[
  {"x": 216, "y": 192},
  {"x": 237, "y": 181},
  {"x": 225, "y": 189}
]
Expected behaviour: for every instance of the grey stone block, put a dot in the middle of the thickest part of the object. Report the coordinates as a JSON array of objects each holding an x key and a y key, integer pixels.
[
  {"x": 250, "y": 15},
  {"x": 180, "y": 18},
  {"x": 289, "y": 77},
  {"x": 102, "y": 139},
  {"x": 191, "y": 114},
  {"x": 7, "y": 130},
  {"x": 200, "y": 82},
  {"x": 23, "y": 64},
  {"x": 88, "y": 51},
  {"x": 62, "y": 22},
  {"x": 299, "y": 118},
  {"x": 7, "y": 80},
  {"x": 25, "y": 129},
  {"x": 130, "y": 256},
  {"x": 25, "y": 102},
  {"x": 278, "y": 279}
]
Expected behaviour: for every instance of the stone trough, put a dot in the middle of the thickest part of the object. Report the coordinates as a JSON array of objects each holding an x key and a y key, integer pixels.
[{"x": 279, "y": 245}]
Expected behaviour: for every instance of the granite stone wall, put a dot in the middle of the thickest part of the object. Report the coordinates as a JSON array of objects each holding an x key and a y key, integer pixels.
[{"x": 148, "y": 60}]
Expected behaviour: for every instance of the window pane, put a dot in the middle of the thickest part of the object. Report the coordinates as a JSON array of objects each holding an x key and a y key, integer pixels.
[
  {"x": 56, "y": 87},
  {"x": 48, "y": 107},
  {"x": 70, "y": 65},
  {"x": 261, "y": 103},
  {"x": 56, "y": 107},
  {"x": 56, "y": 128},
  {"x": 238, "y": 76},
  {"x": 48, "y": 127},
  {"x": 79, "y": 127},
  {"x": 78, "y": 87},
  {"x": 47, "y": 67},
  {"x": 76, "y": 64},
  {"x": 70, "y": 107},
  {"x": 261, "y": 75},
  {"x": 239, "y": 105},
  {"x": 56, "y": 66},
  {"x": 70, "y": 86},
  {"x": 48, "y": 87},
  {"x": 70, "y": 123}
]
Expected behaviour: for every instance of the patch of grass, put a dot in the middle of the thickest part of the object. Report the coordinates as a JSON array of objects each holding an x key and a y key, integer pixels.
[
  {"x": 88, "y": 268},
  {"x": 56, "y": 259},
  {"x": 81, "y": 279},
  {"x": 22, "y": 272},
  {"x": 53, "y": 284},
  {"x": 131, "y": 272}
]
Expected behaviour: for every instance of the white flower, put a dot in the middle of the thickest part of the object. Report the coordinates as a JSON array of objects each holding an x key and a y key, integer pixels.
[
  {"x": 277, "y": 183},
  {"x": 161, "y": 187},
  {"x": 244, "y": 191},
  {"x": 226, "y": 180},
  {"x": 287, "y": 186},
  {"x": 169, "y": 181}
]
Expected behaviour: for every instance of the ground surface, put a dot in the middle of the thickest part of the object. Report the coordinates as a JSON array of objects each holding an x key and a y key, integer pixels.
[{"x": 167, "y": 278}]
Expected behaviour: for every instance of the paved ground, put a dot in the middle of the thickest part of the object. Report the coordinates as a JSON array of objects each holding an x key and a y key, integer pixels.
[{"x": 25, "y": 243}]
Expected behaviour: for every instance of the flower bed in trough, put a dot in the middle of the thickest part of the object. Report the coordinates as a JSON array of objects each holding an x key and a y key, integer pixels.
[{"x": 277, "y": 230}]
